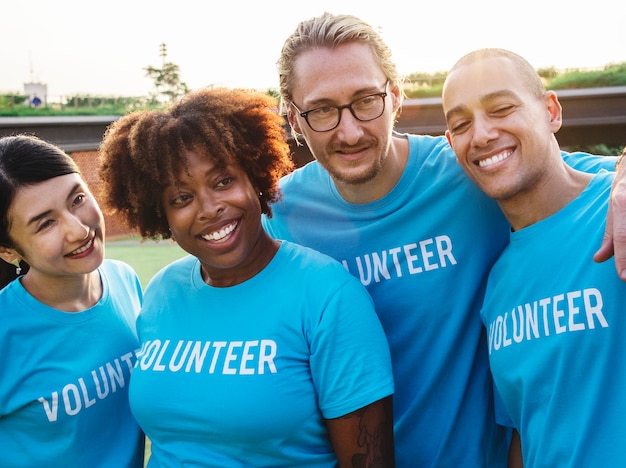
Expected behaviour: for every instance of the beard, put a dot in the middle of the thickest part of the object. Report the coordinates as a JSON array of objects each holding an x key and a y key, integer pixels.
[{"x": 354, "y": 172}]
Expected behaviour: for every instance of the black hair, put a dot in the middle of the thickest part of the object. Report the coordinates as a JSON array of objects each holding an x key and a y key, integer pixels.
[{"x": 25, "y": 160}]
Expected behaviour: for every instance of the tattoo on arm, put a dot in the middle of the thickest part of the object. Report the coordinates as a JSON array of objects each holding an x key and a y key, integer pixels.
[{"x": 373, "y": 431}]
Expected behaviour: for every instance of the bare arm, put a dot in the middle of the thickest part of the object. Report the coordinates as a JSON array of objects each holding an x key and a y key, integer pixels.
[
  {"x": 364, "y": 438},
  {"x": 614, "y": 241},
  {"x": 515, "y": 451}
]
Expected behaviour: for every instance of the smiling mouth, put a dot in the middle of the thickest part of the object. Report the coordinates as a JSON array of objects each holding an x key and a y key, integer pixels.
[
  {"x": 220, "y": 235},
  {"x": 495, "y": 159},
  {"x": 82, "y": 249}
]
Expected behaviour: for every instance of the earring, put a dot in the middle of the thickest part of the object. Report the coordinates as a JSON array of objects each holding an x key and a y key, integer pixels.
[{"x": 18, "y": 268}]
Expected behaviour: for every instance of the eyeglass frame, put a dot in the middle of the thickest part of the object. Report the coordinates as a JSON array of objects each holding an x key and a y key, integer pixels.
[{"x": 305, "y": 114}]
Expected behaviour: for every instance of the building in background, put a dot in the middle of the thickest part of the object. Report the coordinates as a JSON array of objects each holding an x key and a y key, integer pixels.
[{"x": 37, "y": 93}]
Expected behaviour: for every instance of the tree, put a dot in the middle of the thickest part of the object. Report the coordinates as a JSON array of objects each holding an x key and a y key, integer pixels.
[{"x": 167, "y": 83}]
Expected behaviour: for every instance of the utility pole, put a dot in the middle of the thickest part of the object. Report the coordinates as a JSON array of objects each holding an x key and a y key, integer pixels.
[{"x": 163, "y": 53}]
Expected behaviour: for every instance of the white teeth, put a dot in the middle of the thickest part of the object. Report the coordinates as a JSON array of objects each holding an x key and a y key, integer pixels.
[
  {"x": 494, "y": 159},
  {"x": 221, "y": 234},
  {"x": 85, "y": 247}
]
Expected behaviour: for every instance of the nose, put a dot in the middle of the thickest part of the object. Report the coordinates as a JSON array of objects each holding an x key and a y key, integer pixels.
[
  {"x": 350, "y": 129},
  {"x": 483, "y": 132},
  {"x": 209, "y": 205},
  {"x": 77, "y": 230}
]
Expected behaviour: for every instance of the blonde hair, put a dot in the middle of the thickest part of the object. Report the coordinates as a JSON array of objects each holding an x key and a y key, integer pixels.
[{"x": 331, "y": 31}]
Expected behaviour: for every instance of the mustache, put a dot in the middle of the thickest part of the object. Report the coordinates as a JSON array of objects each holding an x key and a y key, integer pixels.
[{"x": 363, "y": 143}]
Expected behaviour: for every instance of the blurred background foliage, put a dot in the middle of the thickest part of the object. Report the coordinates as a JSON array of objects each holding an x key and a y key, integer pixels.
[{"x": 168, "y": 86}]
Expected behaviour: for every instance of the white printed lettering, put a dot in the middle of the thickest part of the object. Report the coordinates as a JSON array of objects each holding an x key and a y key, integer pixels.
[
  {"x": 225, "y": 357},
  {"x": 571, "y": 312},
  {"x": 414, "y": 258},
  {"x": 81, "y": 395}
]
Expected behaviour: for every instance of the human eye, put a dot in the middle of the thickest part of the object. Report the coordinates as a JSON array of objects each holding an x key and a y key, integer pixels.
[
  {"x": 177, "y": 198},
  {"x": 502, "y": 110},
  {"x": 182, "y": 199},
  {"x": 44, "y": 224},
  {"x": 458, "y": 126},
  {"x": 321, "y": 113},
  {"x": 367, "y": 102},
  {"x": 224, "y": 182},
  {"x": 79, "y": 199}
]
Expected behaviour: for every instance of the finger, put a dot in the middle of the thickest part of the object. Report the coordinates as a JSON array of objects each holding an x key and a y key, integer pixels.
[{"x": 614, "y": 240}]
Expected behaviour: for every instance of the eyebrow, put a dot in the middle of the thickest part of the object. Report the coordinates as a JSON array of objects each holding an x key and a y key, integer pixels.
[
  {"x": 365, "y": 91},
  {"x": 219, "y": 166},
  {"x": 483, "y": 99},
  {"x": 40, "y": 216}
]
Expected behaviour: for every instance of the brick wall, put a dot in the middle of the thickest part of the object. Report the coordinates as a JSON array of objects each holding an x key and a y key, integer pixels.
[{"x": 88, "y": 163}]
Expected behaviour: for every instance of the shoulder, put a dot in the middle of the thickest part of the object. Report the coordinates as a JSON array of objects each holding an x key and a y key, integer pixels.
[
  {"x": 428, "y": 143},
  {"x": 300, "y": 253},
  {"x": 177, "y": 271},
  {"x": 312, "y": 263},
  {"x": 303, "y": 191},
  {"x": 602, "y": 183},
  {"x": 433, "y": 153},
  {"x": 311, "y": 171},
  {"x": 433, "y": 162},
  {"x": 117, "y": 269},
  {"x": 318, "y": 279},
  {"x": 8, "y": 295},
  {"x": 589, "y": 162},
  {"x": 121, "y": 281},
  {"x": 605, "y": 176}
]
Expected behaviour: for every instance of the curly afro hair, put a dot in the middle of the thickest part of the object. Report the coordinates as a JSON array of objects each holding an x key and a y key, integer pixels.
[{"x": 143, "y": 151}]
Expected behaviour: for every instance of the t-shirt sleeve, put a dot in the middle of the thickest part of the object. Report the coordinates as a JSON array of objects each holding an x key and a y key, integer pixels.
[
  {"x": 350, "y": 360},
  {"x": 502, "y": 415}
]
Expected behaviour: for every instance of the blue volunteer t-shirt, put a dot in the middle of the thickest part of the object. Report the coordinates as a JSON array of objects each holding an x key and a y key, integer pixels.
[
  {"x": 555, "y": 322},
  {"x": 423, "y": 251},
  {"x": 64, "y": 378},
  {"x": 246, "y": 375}
]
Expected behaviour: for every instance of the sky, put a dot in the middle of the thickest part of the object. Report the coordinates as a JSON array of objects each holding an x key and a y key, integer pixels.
[{"x": 82, "y": 47}]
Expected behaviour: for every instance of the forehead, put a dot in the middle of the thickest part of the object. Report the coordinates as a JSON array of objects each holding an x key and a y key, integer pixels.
[
  {"x": 205, "y": 157},
  {"x": 199, "y": 162},
  {"x": 482, "y": 77},
  {"x": 335, "y": 73}
]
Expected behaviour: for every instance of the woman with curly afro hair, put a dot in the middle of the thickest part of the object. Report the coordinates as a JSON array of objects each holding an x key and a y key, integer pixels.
[{"x": 254, "y": 351}]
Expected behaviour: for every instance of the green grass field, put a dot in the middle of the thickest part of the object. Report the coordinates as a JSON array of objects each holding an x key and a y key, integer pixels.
[{"x": 146, "y": 257}]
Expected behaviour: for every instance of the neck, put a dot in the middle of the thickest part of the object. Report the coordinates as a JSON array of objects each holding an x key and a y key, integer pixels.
[
  {"x": 553, "y": 192},
  {"x": 260, "y": 256},
  {"x": 71, "y": 293}
]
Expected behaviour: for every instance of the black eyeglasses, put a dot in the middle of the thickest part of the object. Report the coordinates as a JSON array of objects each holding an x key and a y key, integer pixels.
[{"x": 327, "y": 118}]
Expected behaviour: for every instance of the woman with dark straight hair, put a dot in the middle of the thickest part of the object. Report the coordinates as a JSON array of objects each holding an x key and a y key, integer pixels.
[{"x": 68, "y": 338}]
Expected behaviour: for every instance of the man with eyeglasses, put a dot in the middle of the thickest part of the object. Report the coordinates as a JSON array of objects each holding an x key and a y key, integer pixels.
[
  {"x": 326, "y": 118},
  {"x": 401, "y": 216}
]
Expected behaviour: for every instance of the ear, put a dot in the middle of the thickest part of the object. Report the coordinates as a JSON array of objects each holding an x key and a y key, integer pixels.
[
  {"x": 293, "y": 120},
  {"x": 554, "y": 110},
  {"x": 9, "y": 255},
  {"x": 396, "y": 96},
  {"x": 449, "y": 138}
]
